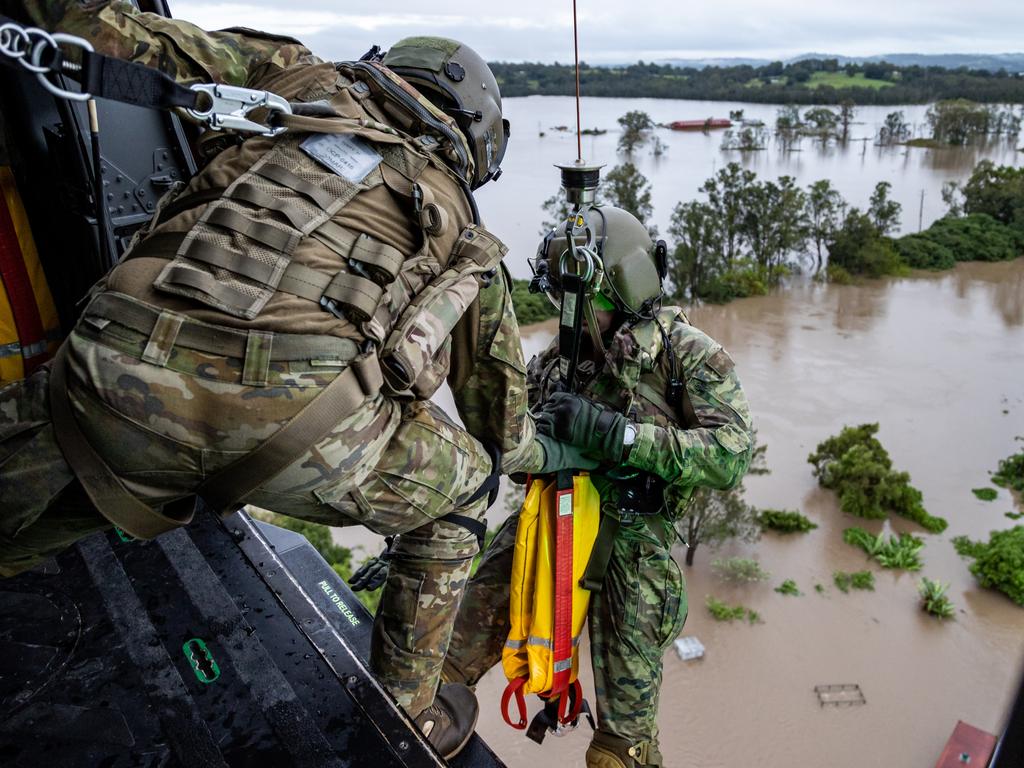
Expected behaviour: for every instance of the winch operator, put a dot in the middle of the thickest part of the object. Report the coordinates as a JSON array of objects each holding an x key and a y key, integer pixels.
[{"x": 276, "y": 332}]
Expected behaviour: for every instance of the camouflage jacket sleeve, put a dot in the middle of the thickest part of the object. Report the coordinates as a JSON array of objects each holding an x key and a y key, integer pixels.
[
  {"x": 488, "y": 377},
  {"x": 177, "y": 48},
  {"x": 714, "y": 451}
]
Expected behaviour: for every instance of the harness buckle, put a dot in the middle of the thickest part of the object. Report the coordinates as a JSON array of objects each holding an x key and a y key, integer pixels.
[
  {"x": 230, "y": 106},
  {"x": 330, "y": 305}
]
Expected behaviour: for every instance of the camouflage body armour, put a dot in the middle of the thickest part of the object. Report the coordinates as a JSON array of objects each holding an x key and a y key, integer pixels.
[
  {"x": 255, "y": 286},
  {"x": 705, "y": 440}
]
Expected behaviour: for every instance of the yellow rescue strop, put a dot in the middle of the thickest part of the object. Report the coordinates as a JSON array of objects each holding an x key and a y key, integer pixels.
[
  {"x": 557, "y": 529},
  {"x": 29, "y": 326}
]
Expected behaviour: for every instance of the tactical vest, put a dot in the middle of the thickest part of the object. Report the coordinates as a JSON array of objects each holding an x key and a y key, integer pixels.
[{"x": 342, "y": 226}]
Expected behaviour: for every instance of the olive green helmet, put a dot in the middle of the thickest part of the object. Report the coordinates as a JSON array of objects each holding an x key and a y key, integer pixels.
[
  {"x": 445, "y": 68},
  {"x": 634, "y": 266}
]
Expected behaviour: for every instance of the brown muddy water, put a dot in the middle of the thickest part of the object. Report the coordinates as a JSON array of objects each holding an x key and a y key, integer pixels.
[{"x": 938, "y": 361}]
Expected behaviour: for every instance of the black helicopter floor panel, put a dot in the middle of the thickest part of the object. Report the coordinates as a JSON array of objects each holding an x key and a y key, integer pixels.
[{"x": 229, "y": 643}]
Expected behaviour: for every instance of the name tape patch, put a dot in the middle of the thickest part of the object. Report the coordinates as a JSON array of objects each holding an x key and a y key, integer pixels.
[{"x": 350, "y": 157}]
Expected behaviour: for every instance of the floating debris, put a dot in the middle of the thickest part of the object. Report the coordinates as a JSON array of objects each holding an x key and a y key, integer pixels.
[
  {"x": 840, "y": 695},
  {"x": 689, "y": 648}
]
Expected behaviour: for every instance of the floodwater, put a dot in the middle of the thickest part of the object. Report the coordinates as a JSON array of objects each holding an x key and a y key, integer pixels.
[
  {"x": 938, "y": 361},
  {"x": 512, "y": 205}
]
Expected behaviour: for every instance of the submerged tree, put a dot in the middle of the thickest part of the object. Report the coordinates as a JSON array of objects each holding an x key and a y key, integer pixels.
[
  {"x": 894, "y": 130},
  {"x": 773, "y": 223},
  {"x": 698, "y": 253},
  {"x": 636, "y": 129},
  {"x": 884, "y": 212},
  {"x": 725, "y": 193},
  {"x": 823, "y": 214},
  {"x": 625, "y": 187}
]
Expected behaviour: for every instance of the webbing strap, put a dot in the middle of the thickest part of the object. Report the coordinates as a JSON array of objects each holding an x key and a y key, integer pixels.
[
  {"x": 217, "y": 340},
  {"x": 562, "y": 633},
  {"x": 205, "y": 282},
  {"x": 601, "y": 554},
  {"x": 250, "y": 193},
  {"x": 515, "y": 689},
  {"x": 106, "y": 491},
  {"x": 270, "y": 236},
  {"x": 357, "y": 295},
  {"x": 349, "y": 389},
  {"x": 236, "y": 262},
  {"x": 286, "y": 178},
  {"x": 132, "y": 83}
]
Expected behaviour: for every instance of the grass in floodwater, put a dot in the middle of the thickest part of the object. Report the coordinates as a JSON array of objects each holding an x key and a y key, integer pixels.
[
  {"x": 857, "y": 580},
  {"x": 985, "y": 494},
  {"x": 903, "y": 552},
  {"x": 934, "y": 599},
  {"x": 739, "y": 569}
]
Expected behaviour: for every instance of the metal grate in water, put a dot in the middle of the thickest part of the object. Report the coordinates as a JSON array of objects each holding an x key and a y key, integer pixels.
[{"x": 840, "y": 695}]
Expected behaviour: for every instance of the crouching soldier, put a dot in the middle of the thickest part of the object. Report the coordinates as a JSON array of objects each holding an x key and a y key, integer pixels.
[
  {"x": 275, "y": 334},
  {"x": 660, "y": 406}
]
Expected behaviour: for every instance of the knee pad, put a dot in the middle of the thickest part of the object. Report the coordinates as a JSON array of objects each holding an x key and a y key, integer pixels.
[{"x": 610, "y": 751}]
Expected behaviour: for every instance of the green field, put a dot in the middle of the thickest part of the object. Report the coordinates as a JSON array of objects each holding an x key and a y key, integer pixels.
[{"x": 842, "y": 80}]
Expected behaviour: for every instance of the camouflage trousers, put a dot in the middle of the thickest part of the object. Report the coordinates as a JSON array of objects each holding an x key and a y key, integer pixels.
[
  {"x": 397, "y": 468},
  {"x": 639, "y": 612}
]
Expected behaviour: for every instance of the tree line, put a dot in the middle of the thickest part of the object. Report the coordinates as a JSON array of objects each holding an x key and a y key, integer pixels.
[{"x": 811, "y": 81}]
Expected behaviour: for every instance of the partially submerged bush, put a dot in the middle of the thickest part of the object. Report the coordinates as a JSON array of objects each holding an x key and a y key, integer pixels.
[
  {"x": 1011, "y": 473},
  {"x": 784, "y": 521},
  {"x": 902, "y": 552},
  {"x": 739, "y": 569},
  {"x": 789, "y": 587},
  {"x": 856, "y": 466},
  {"x": 998, "y": 564},
  {"x": 934, "y": 599},
  {"x": 723, "y": 612},
  {"x": 857, "y": 580},
  {"x": 985, "y": 494}
]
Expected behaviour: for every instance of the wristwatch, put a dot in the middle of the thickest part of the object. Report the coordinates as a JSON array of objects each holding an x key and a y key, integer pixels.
[{"x": 629, "y": 435}]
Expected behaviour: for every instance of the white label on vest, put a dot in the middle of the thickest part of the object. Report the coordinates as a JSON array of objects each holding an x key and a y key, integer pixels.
[{"x": 348, "y": 156}]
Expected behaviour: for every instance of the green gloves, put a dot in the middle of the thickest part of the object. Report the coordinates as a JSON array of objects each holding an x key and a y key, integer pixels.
[
  {"x": 559, "y": 455},
  {"x": 595, "y": 429}
]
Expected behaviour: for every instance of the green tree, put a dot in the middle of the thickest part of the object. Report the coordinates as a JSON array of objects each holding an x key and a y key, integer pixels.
[
  {"x": 894, "y": 130},
  {"x": 847, "y": 111},
  {"x": 698, "y": 256},
  {"x": 822, "y": 122},
  {"x": 997, "y": 191},
  {"x": 787, "y": 126},
  {"x": 823, "y": 214},
  {"x": 636, "y": 128},
  {"x": 884, "y": 212},
  {"x": 957, "y": 121},
  {"x": 726, "y": 193},
  {"x": 625, "y": 187},
  {"x": 773, "y": 224}
]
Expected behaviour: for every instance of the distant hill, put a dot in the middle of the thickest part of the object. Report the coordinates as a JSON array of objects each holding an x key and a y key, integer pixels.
[{"x": 1011, "y": 62}]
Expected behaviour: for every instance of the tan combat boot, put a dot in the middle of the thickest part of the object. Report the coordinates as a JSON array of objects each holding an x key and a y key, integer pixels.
[
  {"x": 610, "y": 751},
  {"x": 448, "y": 723}
]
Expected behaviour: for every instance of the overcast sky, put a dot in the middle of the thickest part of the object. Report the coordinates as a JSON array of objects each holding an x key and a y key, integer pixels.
[{"x": 610, "y": 32}]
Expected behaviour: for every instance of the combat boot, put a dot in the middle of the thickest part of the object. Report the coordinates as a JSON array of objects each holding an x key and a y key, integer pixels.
[
  {"x": 449, "y": 721},
  {"x": 610, "y": 751}
]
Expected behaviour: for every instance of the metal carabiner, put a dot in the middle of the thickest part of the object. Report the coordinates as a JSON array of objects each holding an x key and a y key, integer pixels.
[
  {"x": 57, "y": 39},
  {"x": 14, "y": 41},
  {"x": 230, "y": 106},
  {"x": 35, "y": 49}
]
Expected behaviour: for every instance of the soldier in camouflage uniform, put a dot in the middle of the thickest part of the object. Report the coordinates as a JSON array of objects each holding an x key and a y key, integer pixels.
[
  {"x": 657, "y": 442},
  {"x": 265, "y": 280}
]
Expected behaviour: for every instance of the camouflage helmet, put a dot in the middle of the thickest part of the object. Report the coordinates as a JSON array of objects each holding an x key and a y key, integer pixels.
[
  {"x": 468, "y": 91},
  {"x": 634, "y": 265}
]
